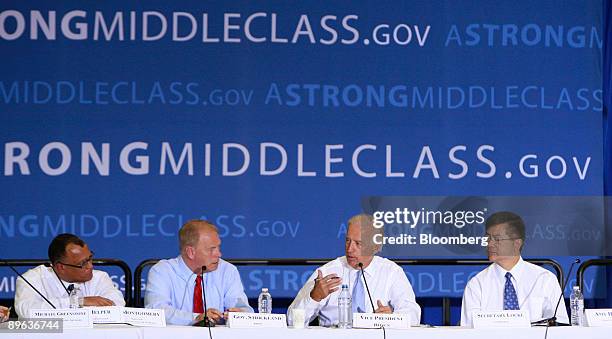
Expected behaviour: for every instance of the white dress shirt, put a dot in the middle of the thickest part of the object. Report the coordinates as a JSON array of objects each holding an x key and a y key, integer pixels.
[
  {"x": 537, "y": 290},
  {"x": 47, "y": 282},
  {"x": 386, "y": 280}
]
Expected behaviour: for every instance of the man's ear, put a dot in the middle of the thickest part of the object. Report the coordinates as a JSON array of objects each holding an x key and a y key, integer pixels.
[
  {"x": 520, "y": 244},
  {"x": 190, "y": 252},
  {"x": 377, "y": 248},
  {"x": 57, "y": 267}
]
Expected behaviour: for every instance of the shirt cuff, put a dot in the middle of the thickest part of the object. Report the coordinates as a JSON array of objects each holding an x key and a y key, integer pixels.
[{"x": 311, "y": 302}]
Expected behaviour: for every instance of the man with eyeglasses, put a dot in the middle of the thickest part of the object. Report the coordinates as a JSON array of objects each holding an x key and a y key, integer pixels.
[
  {"x": 71, "y": 267},
  {"x": 510, "y": 283}
]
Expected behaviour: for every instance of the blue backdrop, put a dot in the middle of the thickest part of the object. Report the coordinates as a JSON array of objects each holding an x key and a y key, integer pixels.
[{"x": 119, "y": 122}]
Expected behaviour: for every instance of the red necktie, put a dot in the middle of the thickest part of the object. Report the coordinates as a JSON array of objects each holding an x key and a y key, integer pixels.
[{"x": 198, "y": 307}]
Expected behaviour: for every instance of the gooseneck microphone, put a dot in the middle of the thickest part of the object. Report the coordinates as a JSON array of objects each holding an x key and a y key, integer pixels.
[
  {"x": 552, "y": 321},
  {"x": 366, "y": 285},
  {"x": 27, "y": 282},
  {"x": 370, "y": 296},
  {"x": 205, "y": 322},
  {"x": 577, "y": 261}
]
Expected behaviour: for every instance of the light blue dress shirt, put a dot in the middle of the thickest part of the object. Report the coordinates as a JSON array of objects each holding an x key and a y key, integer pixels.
[{"x": 170, "y": 286}]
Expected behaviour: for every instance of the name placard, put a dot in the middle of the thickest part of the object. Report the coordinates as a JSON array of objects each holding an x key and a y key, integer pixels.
[
  {"x": 378, "y": 320},
  {"x": 146, "y": 317},
  {"x": 71, "y": 317},
  {"x": 599, "y": 317},
  {"x": 256, "y": 320},
  {"x": 489, "y": 319},
  {"x": 106, "y": 315}
]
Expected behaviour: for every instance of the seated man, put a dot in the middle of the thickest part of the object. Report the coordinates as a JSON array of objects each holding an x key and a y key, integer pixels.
[
  {"x": 175, "y": 285},
  {"x": 510, "y": 283},
  {"x": 71, "y": 264},
  {"x": 390, "y": 288}
]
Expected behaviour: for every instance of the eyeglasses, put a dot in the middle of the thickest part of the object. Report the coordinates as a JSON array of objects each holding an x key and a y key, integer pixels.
[
  {"x": 82, "y": 264},
  {"x": 496, "y": 239}
]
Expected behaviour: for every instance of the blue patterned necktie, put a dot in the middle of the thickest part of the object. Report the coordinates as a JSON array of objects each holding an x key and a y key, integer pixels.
[
  {"x": 358, "y": 295},
  {"x": 510, "y": 298}
]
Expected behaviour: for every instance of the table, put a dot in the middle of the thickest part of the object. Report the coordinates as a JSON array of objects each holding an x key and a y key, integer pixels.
[{"x": 180, "y": 332}]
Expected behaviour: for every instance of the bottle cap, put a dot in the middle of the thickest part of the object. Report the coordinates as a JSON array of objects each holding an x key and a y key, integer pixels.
[
  {"x": 576, "y": 287},
  {"x": 264, "y": 289}
]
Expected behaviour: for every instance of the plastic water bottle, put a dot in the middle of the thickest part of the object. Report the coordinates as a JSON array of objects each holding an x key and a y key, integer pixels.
[
  {"x": 345, "y": 308},
  {"x": 577, "y": 306},
  {"x": 74, "y": 297},
  {"x": 265, "y": 301}
]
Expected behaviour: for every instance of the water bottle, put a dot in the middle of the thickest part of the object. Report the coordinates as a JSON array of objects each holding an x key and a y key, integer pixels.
[
  {"x": 74, "y": 296},
  {"x": 345, "y": 308},
  {"x": 577, "y": 306},
  {"x": 265, "y": 301}
]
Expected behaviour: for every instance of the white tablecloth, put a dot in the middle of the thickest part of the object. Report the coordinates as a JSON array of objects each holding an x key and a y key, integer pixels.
[{"x": 179, "y": 332}]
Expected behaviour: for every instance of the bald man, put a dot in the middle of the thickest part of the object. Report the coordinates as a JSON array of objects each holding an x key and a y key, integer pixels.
[{"x": 175, "y": 285}]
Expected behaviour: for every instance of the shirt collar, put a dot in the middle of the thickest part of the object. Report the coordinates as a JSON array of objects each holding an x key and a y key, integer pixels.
[
  {"x": 369, "y": 271},
  {"x": 185, "y": 272},
  {"x": 516, "y": 271}
]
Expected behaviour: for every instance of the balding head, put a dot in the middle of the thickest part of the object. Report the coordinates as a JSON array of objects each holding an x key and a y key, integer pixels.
[
  {"x": 200, "y": 245},
  {"x": 359, "y": 245},
  {"x": 189, "y": 234}
]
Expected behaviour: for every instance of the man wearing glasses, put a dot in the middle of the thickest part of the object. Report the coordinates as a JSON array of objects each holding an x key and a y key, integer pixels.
[
  {"x": 72, "y": 267},
  {"x": 510, "y": 283}
]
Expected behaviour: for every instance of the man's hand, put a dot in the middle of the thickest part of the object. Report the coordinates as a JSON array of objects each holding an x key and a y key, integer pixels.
[
  {"x": 97, "y": 301},
  {"x": 382, "y": 308},
  {"x": 214, "y": 315},
  {"x": 4, "y": 313},
  {"x": 324, "y": 286}
]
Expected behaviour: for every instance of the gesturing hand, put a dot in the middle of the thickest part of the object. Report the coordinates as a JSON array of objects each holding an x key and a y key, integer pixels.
[
  {"x": 324, "y": 286},
  {"x": 382, "y": 308}
]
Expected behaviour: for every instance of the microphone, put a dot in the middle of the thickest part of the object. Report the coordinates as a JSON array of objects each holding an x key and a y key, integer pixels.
[
  {"x": 26, "y": 280},
  {"x": 370, "y": 296},
  {"x": 552, "y": 321},
  {"x": 205, "y": 322},
  {"x": 366, "y": 285}
]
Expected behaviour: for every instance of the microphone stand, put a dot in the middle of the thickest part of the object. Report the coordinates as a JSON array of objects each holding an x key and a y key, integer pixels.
[
  {"x": 205, "y": 322},
  {"x": 552, "y": 321},
  {"x": 27, "y": 282},
  {"x": 366, "y": 285},
  {"x": 370, "y": 296}
]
